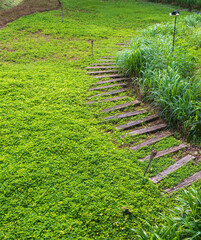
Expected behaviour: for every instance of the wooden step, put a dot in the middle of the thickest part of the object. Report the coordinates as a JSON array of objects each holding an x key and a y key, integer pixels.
[
  {"x": 150, "y": 141},
  {"x": 138, "y": 122},
  {"x": 108, "y": 57},
  {"x": 125, "y": 115},
  {"x": 108, "y": 100},
  {"x": 136, "y": 102},
  {"x": 113, "y": 80},
  {"x": 110, "y": 76},
  {"x": 97, "y": 64},
  {"x": 146, "y": 130},
  {"x": 109, "y": 93},
  {"x": 121, "y": 44},
  {"x": 185, "y": 183},
  {"x": 108, "y": 86},
  {"x": 105, "y": 60},
  {"x": 166, "y": 151},
  {"x": 102, "y": 67},
  {"x": 171, "y": 169},
  {"x": 102, "y": 72}
]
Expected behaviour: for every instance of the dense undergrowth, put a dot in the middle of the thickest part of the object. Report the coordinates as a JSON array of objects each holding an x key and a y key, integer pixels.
[
  {"x": 184, "y": 3},
  {"x": 169, "y": 79},
  {"x": 63, "y": 176}
]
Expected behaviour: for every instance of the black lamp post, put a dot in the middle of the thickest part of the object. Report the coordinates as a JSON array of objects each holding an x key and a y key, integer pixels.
[{"x": 174, "y": 13}]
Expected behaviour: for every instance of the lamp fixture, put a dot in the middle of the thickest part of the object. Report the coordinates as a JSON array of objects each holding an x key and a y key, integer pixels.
[{"x": 174, "y": 13}]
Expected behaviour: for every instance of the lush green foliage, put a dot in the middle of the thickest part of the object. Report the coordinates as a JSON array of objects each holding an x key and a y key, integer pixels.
[
  {"x": 195, "y": 132},
  {"x": 185, "y": 3},
  {"x": 184, "y": 222},
  {"x": 63, "y": 176},
  {"x": 168, "y": 77}
]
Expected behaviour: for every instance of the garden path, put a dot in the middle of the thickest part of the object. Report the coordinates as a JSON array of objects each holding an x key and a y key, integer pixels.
[{"x": 151, "y": 123}]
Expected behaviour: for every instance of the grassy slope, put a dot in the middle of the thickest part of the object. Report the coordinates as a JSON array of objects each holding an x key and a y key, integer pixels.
[{"x": 62, "y": 175}]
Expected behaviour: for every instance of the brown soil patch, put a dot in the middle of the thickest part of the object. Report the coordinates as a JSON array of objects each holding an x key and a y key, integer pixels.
[{"x": 27, "y": 7}]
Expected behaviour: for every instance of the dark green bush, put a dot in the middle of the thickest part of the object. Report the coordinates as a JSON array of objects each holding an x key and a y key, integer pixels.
[{"x": 184, "y": 3}]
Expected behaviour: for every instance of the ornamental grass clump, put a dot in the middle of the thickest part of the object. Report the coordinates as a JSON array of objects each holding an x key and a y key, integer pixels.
[
  {"x": 183, "y": 223},
  {"x": 167, "y": 78}
]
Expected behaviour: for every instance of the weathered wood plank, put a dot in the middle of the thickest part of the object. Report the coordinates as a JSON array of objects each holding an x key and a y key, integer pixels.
[
  {"x": 121, "y": 44},
  {"x": 113, "y": 80},
  {"x": 105, "y": 63},
  {"x": 108, "y": 86},
  {"x": 108, "y": 100},
  {"x": 102, "y": 67},
  {"x": 146, "y": 130},
  {"x": 137, "y": 122},
  {"x": 110, "y": 76},
  {"x": 125, "y": 115},
  {"x": 102, "y": 72},
  {"x": 151, "y": 141},
  {"x": 136, "y": 102},
  {"x": 166, "y": 151},
  {"x": 108, "y": 57},
  {"x": 109, "y": 93},
  {"x": 185, "y": 183},
  {"x": 105, "y": 60},
  {"x": 171, "y": 169}
]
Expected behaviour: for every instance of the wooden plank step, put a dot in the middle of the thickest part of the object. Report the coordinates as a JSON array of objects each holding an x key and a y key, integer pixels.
[
  {"x": 105, "y": 60},
  {"x": 108, "y": 100},
  {"x": 108, "y": 57},
  {"x": 98, "y": 64},
  {"x": 151, "y": 141},
  {"x": 125, "y": 115},
  {"x": 136, "y": 102},
  {"x": 146, "y": 130},
  {"x": 185, "y": 183},
  {"x": 110, "y": 76},
  {"x": 122, "y": 44},
  {"x": 108, "y": 86},
  {"x": 102, "y": 72},
  {"x": 113, "y": 80},
  {"x": 101, "y": 67},
  {"x": 166, "y": 151},
  {"x": 109, "y": 93},
  {"x": 171, "y": 169},
  {"x": 137, "y": 122}
]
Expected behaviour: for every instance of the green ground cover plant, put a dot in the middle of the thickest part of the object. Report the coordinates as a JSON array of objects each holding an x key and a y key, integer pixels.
[
  {"x": 168, "y": 78},
  {"x": 63, "y": 176}
]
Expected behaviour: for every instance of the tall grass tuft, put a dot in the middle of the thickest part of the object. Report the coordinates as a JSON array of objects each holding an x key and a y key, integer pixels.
[
  {"x": 167, "y": 78},
  {"x": 183, "y": 223}
]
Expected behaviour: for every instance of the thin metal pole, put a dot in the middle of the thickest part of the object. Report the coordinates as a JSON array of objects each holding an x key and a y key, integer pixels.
[{"x": 174, "y": 33}]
